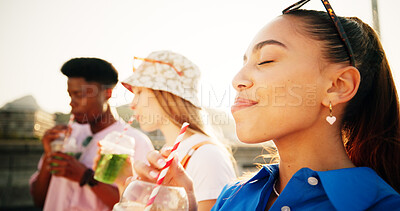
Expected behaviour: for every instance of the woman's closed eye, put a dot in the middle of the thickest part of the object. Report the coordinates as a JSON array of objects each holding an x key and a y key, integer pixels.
[{"x": 266, "y": 62}]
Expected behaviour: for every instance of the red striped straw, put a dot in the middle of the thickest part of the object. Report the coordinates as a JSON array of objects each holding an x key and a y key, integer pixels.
[{"x": 164, "y": 170}]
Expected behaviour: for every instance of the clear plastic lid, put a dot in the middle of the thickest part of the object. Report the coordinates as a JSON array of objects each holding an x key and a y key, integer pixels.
[
  {"x": 71, "y": 145},
  {"x": 117, "y": 143},
  {"x": 57, "y": 145}
]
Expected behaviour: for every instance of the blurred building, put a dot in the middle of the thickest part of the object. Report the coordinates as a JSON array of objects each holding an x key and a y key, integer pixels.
[{"x": 24, "y": 119}]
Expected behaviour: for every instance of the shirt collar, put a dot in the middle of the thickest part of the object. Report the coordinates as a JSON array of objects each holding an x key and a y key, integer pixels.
[
  {"x": 266, "y": 171},
  {"x": 348, "y": 189},
  {"x": 353, "y": 188}
]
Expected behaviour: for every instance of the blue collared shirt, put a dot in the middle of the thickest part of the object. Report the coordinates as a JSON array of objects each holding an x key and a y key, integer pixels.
[{"x": 357, "y": 188}]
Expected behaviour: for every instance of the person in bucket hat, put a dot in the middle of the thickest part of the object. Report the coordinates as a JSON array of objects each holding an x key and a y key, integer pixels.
[
  {"x": 167, "y": 71},
  {"x": 165, "y": 87}
]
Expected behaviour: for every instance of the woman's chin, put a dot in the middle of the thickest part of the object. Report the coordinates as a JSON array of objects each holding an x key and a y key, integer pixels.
[
  {"x": 147, "y": 128},
  {"x": 248, "y": 138}
]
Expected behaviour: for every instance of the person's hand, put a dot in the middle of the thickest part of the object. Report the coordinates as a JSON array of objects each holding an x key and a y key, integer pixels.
[
  {"x": 124, "y": 175},
  {"x": 67, "y": 166},
  {"x": 50, "y": 135},
  {"x": 176, "y": 175}
]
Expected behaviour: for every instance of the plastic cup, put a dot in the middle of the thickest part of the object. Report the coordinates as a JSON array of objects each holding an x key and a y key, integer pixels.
[
  {"x": 109, "y": 166},
  {"x": 129, "y": 206},
  {"x": 57, "y": 145},
  {"x": 77, "y": 155},
  {"x": 137, "y": 194},
  {"x": 72, "y": 148},
  {"x": 115, "y": 148}
]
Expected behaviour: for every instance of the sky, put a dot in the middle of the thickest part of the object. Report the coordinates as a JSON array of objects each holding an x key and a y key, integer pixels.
[{"x": 38, "y": 36}]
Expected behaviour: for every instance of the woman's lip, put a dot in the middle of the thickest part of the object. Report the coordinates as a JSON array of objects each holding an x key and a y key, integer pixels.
[
  {"x": 241, "y": 103},
  {"x": 137, "y": 117},
  {"x": 245, "y": 101}
]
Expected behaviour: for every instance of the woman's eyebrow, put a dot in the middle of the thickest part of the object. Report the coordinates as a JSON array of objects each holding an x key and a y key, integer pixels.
[{"x": 267, "y": 42}]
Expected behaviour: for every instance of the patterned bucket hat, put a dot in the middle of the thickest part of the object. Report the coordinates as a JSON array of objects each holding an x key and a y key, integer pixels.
[{"x": 167, "y": 71}]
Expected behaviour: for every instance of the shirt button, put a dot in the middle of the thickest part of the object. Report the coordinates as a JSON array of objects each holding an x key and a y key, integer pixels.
[
  {"x": 285, "y": 208},
  {"x": 312, "y": 181}
]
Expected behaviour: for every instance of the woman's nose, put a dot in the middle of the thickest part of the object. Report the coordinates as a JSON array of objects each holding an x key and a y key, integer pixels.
[
  {"x": 132, "y": 105},
  {"x": 134, "y": 102},
  {"x": 242, "y": 80}
]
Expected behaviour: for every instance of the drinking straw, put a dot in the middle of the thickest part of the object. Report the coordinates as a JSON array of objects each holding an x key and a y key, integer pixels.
[
  {"x": 71, "y": 120},
  {"x": 130, "y": 121},
  {"x": 164, "y": 170},
  {"x": 127, "y": 125}
]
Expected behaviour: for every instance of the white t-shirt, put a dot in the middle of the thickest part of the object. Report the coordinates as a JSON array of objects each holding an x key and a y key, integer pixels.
[
  {"x": 210, "y": 167},
  {"x": 64, "y": 194}
]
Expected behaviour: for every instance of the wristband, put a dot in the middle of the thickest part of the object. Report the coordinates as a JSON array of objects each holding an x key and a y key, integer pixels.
[
  {"x": 87, "y": 178},
  {"x": 92, "y": 182}
]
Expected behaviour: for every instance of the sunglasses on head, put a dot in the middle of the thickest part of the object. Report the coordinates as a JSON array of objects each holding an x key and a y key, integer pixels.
[
  {"x": 335, "y": 21},
  {"x": 157, "y": 61}
]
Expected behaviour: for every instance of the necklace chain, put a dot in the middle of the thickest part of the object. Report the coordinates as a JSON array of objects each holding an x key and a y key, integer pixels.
[{"x": 274, "y": 188}]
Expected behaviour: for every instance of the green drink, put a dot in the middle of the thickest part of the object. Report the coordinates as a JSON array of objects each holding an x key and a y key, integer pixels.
[
  {"x": 76, "y": 155},
  {"x": 109, "y": 166},
  {"x": 115, "y": 148},
  {"x": 57, "y": 146}
]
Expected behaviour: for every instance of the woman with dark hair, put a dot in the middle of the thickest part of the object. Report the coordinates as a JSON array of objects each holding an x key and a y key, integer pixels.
[{"x": 321, "y": 88}]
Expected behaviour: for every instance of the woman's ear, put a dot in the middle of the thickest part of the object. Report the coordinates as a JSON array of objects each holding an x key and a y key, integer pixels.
[{"x": 344, "y": 85}]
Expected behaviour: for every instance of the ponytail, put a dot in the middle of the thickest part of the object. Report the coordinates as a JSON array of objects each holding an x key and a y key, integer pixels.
[{"x": 370, "y": 124}]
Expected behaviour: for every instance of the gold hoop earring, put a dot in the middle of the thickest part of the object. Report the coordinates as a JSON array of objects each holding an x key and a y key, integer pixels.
[{"x": 330, "y": 119}]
